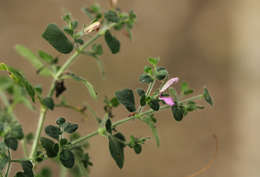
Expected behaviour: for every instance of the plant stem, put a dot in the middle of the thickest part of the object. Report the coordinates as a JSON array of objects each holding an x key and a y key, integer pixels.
[
  {"x": 148, "y": 92},
  {"x": 63, "y": 171},
  {"x": 52, "y": 88},
  {"x": 122, "y": 121},
  {"x": 9, "y": 164},
  {"x": 24, "y": 148}
]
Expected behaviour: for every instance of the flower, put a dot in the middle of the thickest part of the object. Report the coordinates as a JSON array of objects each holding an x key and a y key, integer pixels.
[{"x": 168, "y": 100}]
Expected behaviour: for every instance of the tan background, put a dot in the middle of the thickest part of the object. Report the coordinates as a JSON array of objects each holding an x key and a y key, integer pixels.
[{"x": 204, "y": 42}]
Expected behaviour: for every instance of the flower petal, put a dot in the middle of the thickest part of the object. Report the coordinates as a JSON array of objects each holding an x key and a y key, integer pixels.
[
  {"x": 169, "y": 83},
  {"x": 167, "y": 100}
]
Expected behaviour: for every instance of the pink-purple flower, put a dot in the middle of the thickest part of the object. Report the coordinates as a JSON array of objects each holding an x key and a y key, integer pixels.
[{"x": 168, "y": 100}]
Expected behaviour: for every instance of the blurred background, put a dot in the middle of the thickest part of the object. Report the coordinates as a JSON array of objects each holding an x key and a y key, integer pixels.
[{"x": 206, "y": 43}]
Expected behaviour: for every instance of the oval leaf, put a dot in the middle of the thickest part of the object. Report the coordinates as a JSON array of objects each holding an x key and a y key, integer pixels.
[
  {"x": 112, "y": 42},
  {"x": 126, "y": 97},
  {"x": 57, "y": 39},
  {"x": 67, "y": 158}
]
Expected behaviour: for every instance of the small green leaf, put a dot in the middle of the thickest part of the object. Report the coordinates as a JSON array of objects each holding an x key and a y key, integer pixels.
[
  {"x": 143, "y": 100},
  {"x": 150, "y": 121},
  {"x": 53, "y": 131},
  {"x": 108, "y": 126},
  {"x": 45, "y": 172},
  {"x": 126, "y": 97},
  {"x": 19, "y": 79},
  {"x": 12, "y": 143},
  {"x": 145, "y": 78},
  {"x": 140, "y": 91},
  {"x": 154, "y": 104},
  {"x": 114, "y": 102},
  {"x": 97, "y": 49},
  {"x": 20, "y": 174},
  {"x": 112, "y": 42},
  {"x": 27, "y": 168},
  {"x": 60, "y": 121},
  {"x": 185, "y": 90},
  {"x": 70, "y": 128},
  {"x": 87, "y": 84},
  {"x": 111, "y": 16},
  {"x": 50, "y": 147},
  {"x": 67, "y": 158},
  {"x": 178, "y": 112},
  {"x": 86, "y": 160},
  {"x": 153, "y": 61},
  {"x": 148, "y": 70},
  {"x": 34, "y": 60},
  {"x": 46, "y": 57},
  {"x": 161, "y": 73},
  {"x": 207, "y": 96},
  {"x": 48, "y": 102},
  {"x": 57, "y": 39},
  {"x": 137, "y": 148},
  {"x": 3, "y": 156},
  {"x": 116, "y": 149}
]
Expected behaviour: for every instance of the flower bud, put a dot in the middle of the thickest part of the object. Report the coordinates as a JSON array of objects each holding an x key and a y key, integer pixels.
[{"x": 93, "y": 27}]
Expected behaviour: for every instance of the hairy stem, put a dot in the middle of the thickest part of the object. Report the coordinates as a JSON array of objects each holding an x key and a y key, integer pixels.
[{"x": 122, "y": 121}]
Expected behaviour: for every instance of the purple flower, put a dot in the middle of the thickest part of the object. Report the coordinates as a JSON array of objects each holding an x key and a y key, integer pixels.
[{"x": 168, "y": 100}]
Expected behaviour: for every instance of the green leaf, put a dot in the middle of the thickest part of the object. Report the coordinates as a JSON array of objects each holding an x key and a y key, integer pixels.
[
  {"x": 16, "y": 132},
  {"x": 112, "y": 42},
  {"x": 185, "y": 90},
  {"x": 48, "y": 102},
  {"x": 3, "y": 156},
  {"x": 60, "y": 121},
  {"x": 97, "y": 49},
  {"x": 154, "y": 104},
  {"x": 150, "y": 121},
  {"x": 53, "y": 131},
  {"x": 145, "y": 78},
  {"x": 153, "y": 61},
  {"x": 126, "y": 97},
  {"x": 57, "y": 39},
  {"x": 161, "y": 73},
  {"x": 207, "y": 96},
  {"x": 148, "y": 70},
  {"x": 27, "y": 168},
  {"x": 45, "y": 172},
  {"x": 46, "y": 57},
  {"x": 70, "y": 128},
  {"x": 34, "y": 60},
  {"x": 19, "y": 79},
  {"x": 116, "y": 149},
  {"x": 19, "y": 174},
  {"x": 114, "y": 102},
  {"x": 108, "y": 126},
  {"x": 140, "y": 91},
  {"x": 12, "y": 143},
  {"x": 143, "y": 100},
  {"x": 50, "y": 147},
  {"x": 178, "y": 112},
  {"x": 67, "y": 158},
  {"x": 87, "y": 84},
  {"x": 86, "y": 160},
  {"x": 137, "y": 148},
  {"x": 111, "y": 16}
]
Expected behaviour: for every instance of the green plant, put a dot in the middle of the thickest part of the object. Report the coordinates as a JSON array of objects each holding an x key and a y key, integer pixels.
[{"x": 63, "y": 144}]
